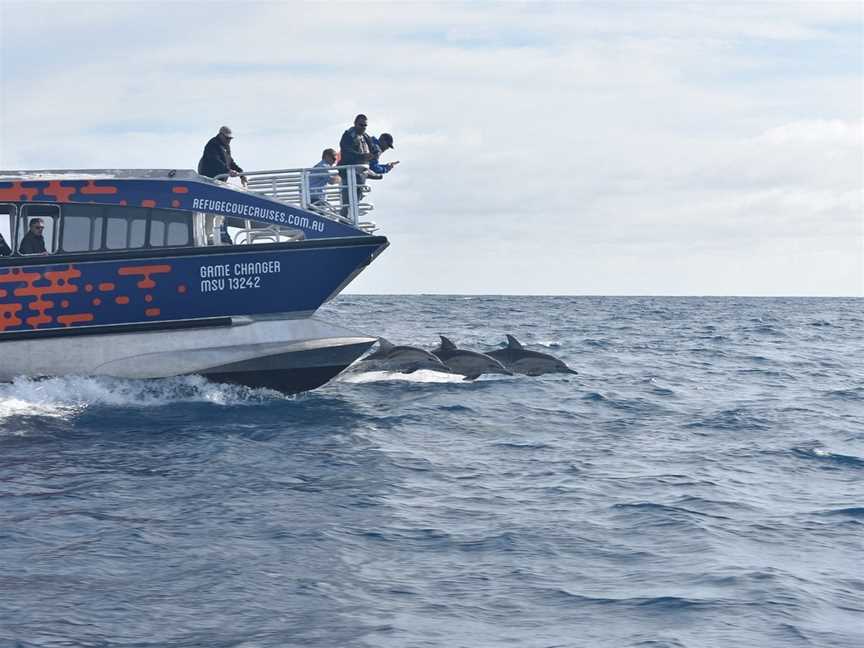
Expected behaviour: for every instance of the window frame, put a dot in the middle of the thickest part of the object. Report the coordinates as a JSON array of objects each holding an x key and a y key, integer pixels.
[
  {"x": 186, "y": 217},
  {"x": 97, "y": 208},
  {"x": 13, "y": 225}
]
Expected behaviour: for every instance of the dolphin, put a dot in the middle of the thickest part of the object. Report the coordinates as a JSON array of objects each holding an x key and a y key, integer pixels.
[
  {"x": 468, "y": 363},
  {"x": 520, "y": 360},
  {"x": 404, "y": 359}
]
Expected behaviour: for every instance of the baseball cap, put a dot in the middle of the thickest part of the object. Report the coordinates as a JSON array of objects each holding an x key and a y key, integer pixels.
[
  {"x": 387, "y": 138},
  {"x": 224, "y": 130}
]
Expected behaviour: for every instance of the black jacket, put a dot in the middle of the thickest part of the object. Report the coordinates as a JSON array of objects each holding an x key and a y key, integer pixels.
[
  {"x": 5, "y": 250},
  {"x": 32, "y": 244},
  {"x": 354, "y": 148},
  {"x": 217, "y": 159}
]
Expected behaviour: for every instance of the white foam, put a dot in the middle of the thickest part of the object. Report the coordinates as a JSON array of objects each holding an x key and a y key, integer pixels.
[
  {"x": 60, "y": 397},
  {"x": 550, "y": 344},
  {"x": 419, "y": 376}
]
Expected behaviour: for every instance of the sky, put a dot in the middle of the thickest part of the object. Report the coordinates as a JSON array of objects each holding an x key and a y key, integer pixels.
[{"x": 580, "y": 148}]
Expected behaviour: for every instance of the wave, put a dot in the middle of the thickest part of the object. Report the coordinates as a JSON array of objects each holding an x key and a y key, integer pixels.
[
  {"x": 732, "y": 419},
  {"x": 60, "y": 397},
  {"x": 666, "y": 603},
  {"x": 852, "y": 511},
  {"x": 855, "y": 393},
  {"x": 828, "y": 457}
]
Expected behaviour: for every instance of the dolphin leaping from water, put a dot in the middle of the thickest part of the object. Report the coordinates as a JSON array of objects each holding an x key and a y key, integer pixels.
[
  {"x": 520, "y": 360},
  {"x": 401, "y": 358},
  {"x": 468, "y": 363}
]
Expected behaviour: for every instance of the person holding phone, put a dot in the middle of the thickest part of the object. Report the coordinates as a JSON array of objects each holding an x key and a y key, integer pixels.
[{"x": 380, "y": 144}]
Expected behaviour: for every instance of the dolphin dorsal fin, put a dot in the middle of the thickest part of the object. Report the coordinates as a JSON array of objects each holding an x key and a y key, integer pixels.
[
  {"x": 384, "y": 344},
  {"x": 446, "y": 344},
  {"x": 513, "y": 343}
]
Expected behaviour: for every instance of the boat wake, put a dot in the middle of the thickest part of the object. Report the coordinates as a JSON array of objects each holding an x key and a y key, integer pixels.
[
  {"x": 59, "y": 397},
  {"x": 420, "y": 376}
]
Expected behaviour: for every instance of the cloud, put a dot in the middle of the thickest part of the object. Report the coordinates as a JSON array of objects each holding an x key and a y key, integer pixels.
[{"x": 545, "y": 147}]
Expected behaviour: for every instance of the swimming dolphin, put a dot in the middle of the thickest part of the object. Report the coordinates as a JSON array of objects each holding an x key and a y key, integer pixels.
[
  {"x": 404, "y": 359},
  {"x": 520, "y": 360},
  {"x": 468, "y": 363}
]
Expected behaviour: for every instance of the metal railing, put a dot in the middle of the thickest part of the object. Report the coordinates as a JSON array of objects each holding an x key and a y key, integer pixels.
[{"x": 342, "y": 201}]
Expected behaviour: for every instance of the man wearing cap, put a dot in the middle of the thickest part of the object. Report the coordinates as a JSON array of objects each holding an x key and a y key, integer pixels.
[
  {"x": 379, "y": 145},
  {"x": 217, "y": 159}
]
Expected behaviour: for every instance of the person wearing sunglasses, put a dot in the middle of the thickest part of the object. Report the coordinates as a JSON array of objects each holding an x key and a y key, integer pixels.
[
  {"x": 355, "y": 147},
  {"x": 33, "y": 241}
]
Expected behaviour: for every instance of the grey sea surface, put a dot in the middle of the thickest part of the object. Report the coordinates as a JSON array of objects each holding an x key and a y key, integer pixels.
[{"x": 699, "y": 483}]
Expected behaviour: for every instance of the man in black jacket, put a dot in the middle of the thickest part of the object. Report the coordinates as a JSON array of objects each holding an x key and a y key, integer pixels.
[
  {"x": 5, "y": 250},
  {"x": 355, "y": 147},
  {"x": 33, "y": 241},
  {"x": 217, "y": 159}
]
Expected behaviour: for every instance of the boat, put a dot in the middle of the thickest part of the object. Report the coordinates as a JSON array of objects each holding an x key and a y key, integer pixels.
[{"x": 154, "y": 273}]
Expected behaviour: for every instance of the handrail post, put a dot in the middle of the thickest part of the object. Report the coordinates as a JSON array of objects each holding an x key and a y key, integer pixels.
[
  {"x": 353, "y": 199},
  {"x": 304, "y": 189}
]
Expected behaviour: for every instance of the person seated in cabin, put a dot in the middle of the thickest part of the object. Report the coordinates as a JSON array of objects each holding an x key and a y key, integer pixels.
[
  {"x": 320, "y": 179},
  {"x": 5, "y": 250},
  {"x": 379, "y": 145},
  {"x": 216, "y": 159},
  {"x": 33, "y": 241}
]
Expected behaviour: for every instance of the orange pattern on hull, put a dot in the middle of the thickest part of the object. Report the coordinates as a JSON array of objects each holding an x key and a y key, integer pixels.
[
  {"x": 16, "y": 192},
  {"x": 9, "y": 316},
  {"x": 59, "y": 283},
  {"x": 59, "y": 192},
  {"x": 146, "y": 271},
  {"x": 69, "y": 320},
  {"x": 91, "y": 188}
]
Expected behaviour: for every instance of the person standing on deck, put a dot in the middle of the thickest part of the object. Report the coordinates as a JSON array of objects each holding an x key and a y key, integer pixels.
[
  {"x": 216, "y": 159},
  {"x": 379, "y": 145},
  {"x": 355, "y": 147},
  {"x": 320, "y": 179}
]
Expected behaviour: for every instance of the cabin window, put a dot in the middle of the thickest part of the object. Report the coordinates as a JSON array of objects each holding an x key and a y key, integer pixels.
[
  {"x": 125, "y": 227},
  {"x": 169, "y": 228},
  {"x": 82, "y": 228},
  {"x": 7, "y": 222},
  {"x": 32, "y": 217}
]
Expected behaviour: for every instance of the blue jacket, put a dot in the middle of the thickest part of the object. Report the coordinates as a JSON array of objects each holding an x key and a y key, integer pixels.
[{"x": 374, "y": 164}]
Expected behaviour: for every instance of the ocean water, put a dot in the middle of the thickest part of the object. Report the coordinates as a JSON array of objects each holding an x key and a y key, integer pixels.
[{"x": 699, "y": 483}]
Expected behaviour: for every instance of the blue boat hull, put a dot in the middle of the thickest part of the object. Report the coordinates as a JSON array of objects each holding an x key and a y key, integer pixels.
[{"x": 44, "y": 296}]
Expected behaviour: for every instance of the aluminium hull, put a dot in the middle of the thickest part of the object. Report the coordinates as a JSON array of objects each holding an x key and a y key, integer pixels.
[{"x": 286, "y": 354}]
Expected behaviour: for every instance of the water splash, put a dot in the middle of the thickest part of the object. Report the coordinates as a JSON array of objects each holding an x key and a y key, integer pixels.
[
  {"x": 420, "y": 376},
  {"x": 60, "y": 397}
]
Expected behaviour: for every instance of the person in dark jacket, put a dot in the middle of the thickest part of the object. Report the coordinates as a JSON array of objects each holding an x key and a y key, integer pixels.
[
  {"x": 355, "y": 147},
  {"x": 33, "y": 241},
  {"x": 217, "y": 159},
  {"x": 5, "y": 250}
]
